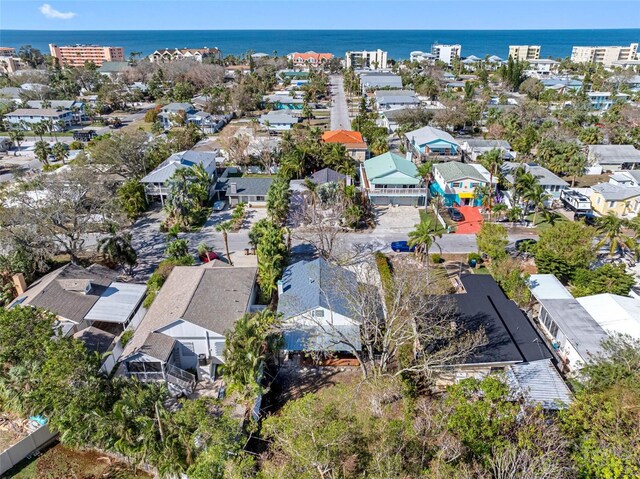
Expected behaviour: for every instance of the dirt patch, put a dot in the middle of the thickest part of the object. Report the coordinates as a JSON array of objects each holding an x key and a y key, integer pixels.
[
  {"x": 59, "y": 462},
  {"x": 590, "y": 180},
  {"x": 293, "y": 380}
]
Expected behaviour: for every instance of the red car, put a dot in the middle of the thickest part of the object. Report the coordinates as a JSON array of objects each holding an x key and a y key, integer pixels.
[{"x": 208, "y": 256}]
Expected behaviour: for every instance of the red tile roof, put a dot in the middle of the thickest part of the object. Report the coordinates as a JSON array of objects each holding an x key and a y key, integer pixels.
[
  {"x": 342, "y": 136},
  {"x": 311, "y": 56}
]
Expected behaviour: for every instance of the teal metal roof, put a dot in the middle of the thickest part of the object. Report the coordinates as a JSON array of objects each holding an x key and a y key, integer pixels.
[{"x": 391, "y": 169}]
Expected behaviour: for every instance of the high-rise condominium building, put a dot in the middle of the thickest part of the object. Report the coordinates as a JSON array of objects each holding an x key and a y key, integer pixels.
[
  {"x": 604, "y": 55},
  {"x": 78, "y": 55},
  {"x": 524, "y": 52},
  {"x": 367, "y": 59},
  {"x": 446, "y": 53}
]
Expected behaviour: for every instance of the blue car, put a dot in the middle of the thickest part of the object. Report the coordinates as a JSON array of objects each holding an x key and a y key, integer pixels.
[{"x": 402, "y": 247}]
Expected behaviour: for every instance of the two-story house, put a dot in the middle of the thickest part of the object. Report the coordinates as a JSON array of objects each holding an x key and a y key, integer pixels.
[
  {"x": 316, "y": 309},
  {"x": 431, "y": 142},
  {"x": 25, "y": 118},
  {"x": 392, "y": 179},
  {"x": 457, "y": 182},
  {"x": 182, "y": 337},
  {"x": 156, "y": 183}
]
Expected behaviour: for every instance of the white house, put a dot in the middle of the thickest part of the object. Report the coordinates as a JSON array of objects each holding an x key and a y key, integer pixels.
[
  {"x": 156, "y": 183},
  {"x": 26, "y": 117},
  {"x": 576, "y": 327},
  {"x": 392, "y": 99},
  {"x": 315, "y": 307},
  {"x": 184, "y": 329},
  {"x": 278, "y": 120}
]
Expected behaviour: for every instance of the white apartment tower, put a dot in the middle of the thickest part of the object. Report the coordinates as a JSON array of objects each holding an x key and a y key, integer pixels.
[
  {"x": 446, "y": 53},
  {"x": 524, "y": 52},
  {"x": 367, "y": 59},
  {"x": 604, "y": 55}
]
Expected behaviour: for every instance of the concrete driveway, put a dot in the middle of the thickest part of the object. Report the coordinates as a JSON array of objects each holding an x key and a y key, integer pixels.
[{"x": 396, "y": 219}]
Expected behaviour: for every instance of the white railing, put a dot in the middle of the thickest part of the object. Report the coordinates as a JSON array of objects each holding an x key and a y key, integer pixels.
[
  {"x": 149, "y": 376},
  {"x": 398, "y": 191},
  {"x": 157, "y": 190}
]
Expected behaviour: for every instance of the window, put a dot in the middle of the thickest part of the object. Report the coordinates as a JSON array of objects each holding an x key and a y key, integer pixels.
[
  {"x": 319, "y": 313},
  {"x": 259, "y": 198},
  {"x": 612, "y": 204},
  {"x": 457, "y": 185}
]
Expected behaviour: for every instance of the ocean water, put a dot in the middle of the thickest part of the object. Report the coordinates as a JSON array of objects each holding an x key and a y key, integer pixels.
[{"x": 399, "y": 43}]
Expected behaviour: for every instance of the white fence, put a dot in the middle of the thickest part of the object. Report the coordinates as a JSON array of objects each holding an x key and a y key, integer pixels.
[
  {"x": 439, "y": 216},
  {"x": 19, "y": 451}
]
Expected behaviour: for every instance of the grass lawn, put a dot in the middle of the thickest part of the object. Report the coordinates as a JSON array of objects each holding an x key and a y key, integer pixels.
[
  {"x": 58, "y": 461},
  {"x": 431, "y": 216},
  {"x": 541, "y": 224}
]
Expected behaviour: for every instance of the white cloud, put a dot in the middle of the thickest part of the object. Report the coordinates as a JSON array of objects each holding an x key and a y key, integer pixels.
[{"x": 50, "y": 12}]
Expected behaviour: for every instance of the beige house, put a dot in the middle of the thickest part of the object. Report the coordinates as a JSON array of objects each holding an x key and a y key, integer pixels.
[{"x": 624, "y": 201}]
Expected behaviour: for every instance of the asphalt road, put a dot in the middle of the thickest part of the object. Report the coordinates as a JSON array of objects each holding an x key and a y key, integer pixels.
[{"x": 339, "y": 110}]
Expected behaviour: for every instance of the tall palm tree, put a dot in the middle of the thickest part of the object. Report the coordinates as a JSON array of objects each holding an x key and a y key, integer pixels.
[
  {"x": 38, "y": 129},
  {"x": 17, "y": 136},
  {"x": 492, "y": 160},
  {"x": 224, "y": 228},
  {"x": 612, "y": 229},
  {"x": 500, "y": 209},
  {"x": 523, "y": 182},
  {"x": 42, "y": 151},
  {"x": 423, "y": 238},
  {"x": 117, "y": 250},
  {"x": 536, "y": 196}
]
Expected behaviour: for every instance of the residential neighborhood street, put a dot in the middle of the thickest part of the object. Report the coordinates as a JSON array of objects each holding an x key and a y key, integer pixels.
[{"x": 339, "y": 110}]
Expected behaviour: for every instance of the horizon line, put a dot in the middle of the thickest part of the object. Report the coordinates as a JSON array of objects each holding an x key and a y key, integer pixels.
[{"x": 315, "y": 29}]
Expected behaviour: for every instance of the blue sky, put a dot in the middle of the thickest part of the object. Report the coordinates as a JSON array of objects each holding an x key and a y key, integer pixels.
[{"x": 313, "y": 14}]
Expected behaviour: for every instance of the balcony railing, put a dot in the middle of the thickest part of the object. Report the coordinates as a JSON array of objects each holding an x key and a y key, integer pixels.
[
  {"x": 398, "y": 192},
  {"x": 157, "y": 190}
]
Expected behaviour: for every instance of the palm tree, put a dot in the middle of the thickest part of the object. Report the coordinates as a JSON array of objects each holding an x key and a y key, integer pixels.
[
  {"x": 42, "y": 151},
  {"x": 60, "y": 152},
  {"x": 38, "y": 129},
  {"x": 117, "y": 250},
  {"x": 551, "y": 217},
  {"x": 500, "y": 209},
  {"x": 536, "y": 195},
  {"x": 224, "y": 228},
  {"x": 612, "y": 228},
  {"x": 423, "y": 238},
  {"x": 491, "y": 160},
  {"x": 523, "y": 182},
  {"x": 482, "y": 193},
  {"x": 16, "y": 137}
]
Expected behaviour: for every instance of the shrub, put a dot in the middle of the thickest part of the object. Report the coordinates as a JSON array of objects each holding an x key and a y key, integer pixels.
[
  {"x": 437, "y": 258},
  {"x": 126, "y": 337},
  {"x": 76, "y": 145},
  {"x": 474, "y": 256}
]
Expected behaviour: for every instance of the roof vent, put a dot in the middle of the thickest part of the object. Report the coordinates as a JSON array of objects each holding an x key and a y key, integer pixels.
[{"x": 75, "y": 285}]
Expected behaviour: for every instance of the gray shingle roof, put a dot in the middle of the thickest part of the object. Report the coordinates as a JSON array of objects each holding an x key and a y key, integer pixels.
[
  {"x": 611, "y": 192},
  {"x": 482, "y": 143},
  {"x": 158, "y": 346},
  {"x": 614, "y": 154},
  {"x": 453, "y": 171},
  {"x": 427, "y": 134},
  {"x": 221, "y": 298},
  {"x": 63, "y": 104},
  {"x": 50, "y": 294},
  {"x": 175, "y": 107},
  {"x": 184, "y": 159},
  {"x": 396, "y": 96},
  {"x": 309, "y": 285},
  {"x": 327, "y": 175},
  {"x": 246, "y": 186},
  {"x": 50, "y": 112}
]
